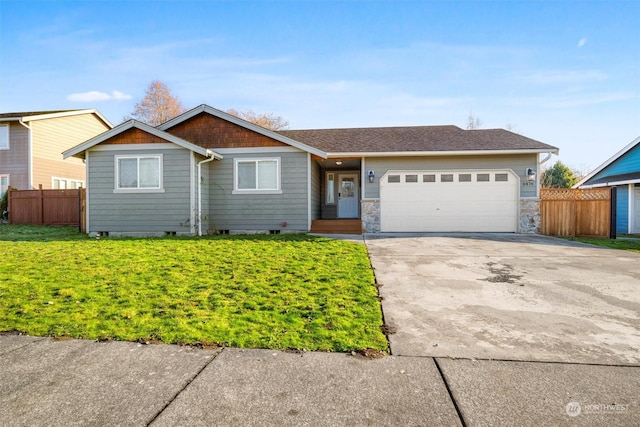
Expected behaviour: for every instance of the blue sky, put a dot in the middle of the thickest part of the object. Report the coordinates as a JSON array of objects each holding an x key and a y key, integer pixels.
[{"x": 563, "y": 72}]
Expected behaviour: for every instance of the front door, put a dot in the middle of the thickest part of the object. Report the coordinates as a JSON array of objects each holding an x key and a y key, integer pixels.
[{"x": 348, "y": 199}]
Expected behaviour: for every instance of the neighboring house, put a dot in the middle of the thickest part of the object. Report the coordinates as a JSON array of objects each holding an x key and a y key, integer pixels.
[
  {"x": 623, "y": 172},
  {"x": 31, "y": 145},
  {"x": 206, "y": 171}
]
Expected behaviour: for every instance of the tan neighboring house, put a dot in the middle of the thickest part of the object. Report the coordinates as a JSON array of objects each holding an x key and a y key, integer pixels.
[{"x": 31, "y": 146}]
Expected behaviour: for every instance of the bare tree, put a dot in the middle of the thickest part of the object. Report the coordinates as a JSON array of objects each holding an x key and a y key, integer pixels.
[
  {"x": 473, "y": 122},
  {"x": 158, "y": 105},
  {"x": 266, "y": 120}
]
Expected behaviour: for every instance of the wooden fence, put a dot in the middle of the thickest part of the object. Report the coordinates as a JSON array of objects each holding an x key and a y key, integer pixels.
[
  {"x": 48, "y": 207},
  {"x": 568, "y": 212}
]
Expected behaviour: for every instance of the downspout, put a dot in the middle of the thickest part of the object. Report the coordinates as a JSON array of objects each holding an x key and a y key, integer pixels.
[
  {"x": 539, "y": 174},
  {"x": 208, "y": 159},
  {"x": 29, "y": 153}
]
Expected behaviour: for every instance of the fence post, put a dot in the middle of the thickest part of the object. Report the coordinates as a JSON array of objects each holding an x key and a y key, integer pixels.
[
  {"x": 613, "y": 219},
  {"x": 40, "y": 212}
]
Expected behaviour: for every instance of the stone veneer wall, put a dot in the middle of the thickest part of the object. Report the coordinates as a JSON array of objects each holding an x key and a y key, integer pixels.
[
  {"x": 530, "y": 216},
  {"x": 370, "y": 214}
]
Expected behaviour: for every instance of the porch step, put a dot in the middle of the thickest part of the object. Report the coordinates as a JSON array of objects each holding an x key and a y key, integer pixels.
[{"x": 336, "y": 226}]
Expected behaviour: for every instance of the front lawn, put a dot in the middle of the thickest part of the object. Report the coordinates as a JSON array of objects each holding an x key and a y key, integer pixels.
[
  {"x": 632, "y": 245},
  {"x": 284, "y": 291}
]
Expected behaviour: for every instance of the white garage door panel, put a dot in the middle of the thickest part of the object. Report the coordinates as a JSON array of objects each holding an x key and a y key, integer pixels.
[{"x": 449, "y": 206}]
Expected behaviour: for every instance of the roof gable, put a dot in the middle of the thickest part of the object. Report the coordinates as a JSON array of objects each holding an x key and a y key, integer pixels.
[
  {"x": 211, "y": 131},
  {"x": 135, "y": 132},
  {"x": 247, "y": 126},
  {"x": 45, "y": 115},
  {"x": 618, "y": 168}
]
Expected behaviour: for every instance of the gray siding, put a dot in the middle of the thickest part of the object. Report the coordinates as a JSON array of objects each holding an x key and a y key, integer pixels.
[
  {"x": 518, "y": 163},
  {"x": 15, "y": 161},
  {"x": 206, "y": 189},
  {"x": 260, "y": 212},
  {"x": 316, "y": 190},
  {"x": 139, "y": 212}
]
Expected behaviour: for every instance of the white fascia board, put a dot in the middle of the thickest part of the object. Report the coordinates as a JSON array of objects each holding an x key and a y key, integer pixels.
[
  {"x": 611, "y": 183},
  {"x": 67, "y": 114},
  {"x": 437, "y": 153},
  {"x": 607, "y": 163},
  {"x": 80, "y": 149},
  {"x": 243, "y": 123}
]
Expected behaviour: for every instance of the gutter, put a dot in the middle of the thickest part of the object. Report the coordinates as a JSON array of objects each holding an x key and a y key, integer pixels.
[
  {"x": 331, "y": 155},
  {"x": 210, "y": 157},
  {"x": 29, "y": 152}
]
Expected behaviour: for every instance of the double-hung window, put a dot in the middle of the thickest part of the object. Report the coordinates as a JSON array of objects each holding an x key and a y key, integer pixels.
[
  {"x": 4, "y": 137},
  {"x": 257, "y": 176},
  {"x": 4, "y": 185},
  {"x": 141, "y": 173}
]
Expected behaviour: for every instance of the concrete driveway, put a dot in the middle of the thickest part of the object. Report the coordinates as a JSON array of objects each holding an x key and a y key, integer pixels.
[{"x": 508, "y": 297}]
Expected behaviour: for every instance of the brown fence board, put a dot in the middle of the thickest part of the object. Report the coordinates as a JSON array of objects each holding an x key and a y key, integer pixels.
[
  {"x": 567, "y": 212},
  {"x": 47, "y": 207}
]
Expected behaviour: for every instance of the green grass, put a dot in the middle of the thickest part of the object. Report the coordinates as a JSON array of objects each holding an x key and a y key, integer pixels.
[
  {"x": 623, "y": 244},
  {"x": 279, "y": 292}
]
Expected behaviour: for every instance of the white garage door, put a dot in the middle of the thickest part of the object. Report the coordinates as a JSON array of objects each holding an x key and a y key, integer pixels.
[{"x": 449, "y": 201}]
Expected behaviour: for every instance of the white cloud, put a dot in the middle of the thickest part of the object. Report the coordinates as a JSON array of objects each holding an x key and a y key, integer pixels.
[
  {"x": 582, "y": 42},
  {"x": 94, "y": 96}
]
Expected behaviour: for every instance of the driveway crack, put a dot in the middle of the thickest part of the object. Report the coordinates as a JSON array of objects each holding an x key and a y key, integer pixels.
[{"x": 453, "y": 399}]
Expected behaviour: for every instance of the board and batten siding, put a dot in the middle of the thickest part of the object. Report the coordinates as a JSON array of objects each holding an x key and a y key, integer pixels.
[
  {"x": 622, "y": 209},
  {"x": 53, "y": 136},
  {"x": 260, "y": 212},
  {"x": 15, "y": 161},
  {"x": 518, "y": 163},
  {"x": 139, "y": 212}
]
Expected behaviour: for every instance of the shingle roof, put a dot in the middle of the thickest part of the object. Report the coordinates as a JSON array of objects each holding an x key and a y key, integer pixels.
[
  {"x": 31, "y": 113},
  {"x": 414, "y": 139}
]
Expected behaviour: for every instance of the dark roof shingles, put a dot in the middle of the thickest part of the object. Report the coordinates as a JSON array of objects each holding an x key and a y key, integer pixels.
[
  {"x": 413, "y": 138},
  {"x": 31, "y": 113}
]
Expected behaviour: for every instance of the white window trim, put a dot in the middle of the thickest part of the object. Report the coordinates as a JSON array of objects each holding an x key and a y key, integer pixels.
[
  {"x": 68, "y": 181},
  {"x": 8, "y": 147},
  {"x": 236, "y": 190},
  {"x": 116, "y": 180},
  {"x": 330, "y": 200},
  {"x": 8, "y": 182}
]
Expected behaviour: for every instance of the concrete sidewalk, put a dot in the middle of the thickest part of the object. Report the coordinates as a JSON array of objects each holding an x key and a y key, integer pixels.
[{"x": 47, "y": 382}]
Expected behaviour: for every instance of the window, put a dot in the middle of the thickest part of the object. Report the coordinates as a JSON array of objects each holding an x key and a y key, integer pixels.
[
  {"x": 446, "y": 177},
  {"x": 257, "y": 175},
  {"x": 502, "y": 177},
  {"x": 483, "y": 177},
  {"x": 393, "y": 178},
  {"x": 429, "y": 178},
  {"x": 65, "y": 183},
  {"x": 4, "y": 137},
  {"x": 464, "y": 177},
  {"x": 135, "y": 173},
  {"x": 411, "y": 178},
  {"x": 4, "y": 185},
  {"x": 330, "y": 189}
]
